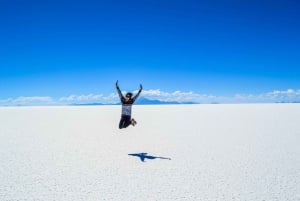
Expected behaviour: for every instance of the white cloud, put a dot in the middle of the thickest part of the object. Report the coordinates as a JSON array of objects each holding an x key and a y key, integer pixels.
[
  {"x": 178, "y": 96},
  {"x": 90, "y": 98},
  {"x": 289, "y": 95},
  {"x": 81, "y": 98},
  {"x": 32, "y": 100}
]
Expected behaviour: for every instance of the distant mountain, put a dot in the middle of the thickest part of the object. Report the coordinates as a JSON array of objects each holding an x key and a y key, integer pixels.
[
  {"x": 140, "y": 101},
  {"x": 287, "y": 102},
  {"x": 86, "y": 104},
  {"x": 145, "y": 101}
]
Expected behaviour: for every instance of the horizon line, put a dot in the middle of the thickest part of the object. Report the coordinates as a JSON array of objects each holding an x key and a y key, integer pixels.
[{"x": 158, "y": 97}]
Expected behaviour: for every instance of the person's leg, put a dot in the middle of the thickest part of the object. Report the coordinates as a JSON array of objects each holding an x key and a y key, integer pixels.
[
  {"x": 122, "y": 122},
  {"x": 127, "y": 121}
]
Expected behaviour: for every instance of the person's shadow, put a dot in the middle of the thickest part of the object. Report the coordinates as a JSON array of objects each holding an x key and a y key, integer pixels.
[{"x": 144, "y": 156}]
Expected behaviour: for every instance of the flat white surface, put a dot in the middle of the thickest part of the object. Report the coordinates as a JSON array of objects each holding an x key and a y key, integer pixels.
[{"x": 218, "y": 152}]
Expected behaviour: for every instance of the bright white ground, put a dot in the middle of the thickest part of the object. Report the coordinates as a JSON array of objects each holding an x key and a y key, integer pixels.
[{"x": 218, "y": 152}]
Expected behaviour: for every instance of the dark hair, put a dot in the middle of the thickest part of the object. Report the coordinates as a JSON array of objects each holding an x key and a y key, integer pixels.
[{"x": 129, "y": 94}]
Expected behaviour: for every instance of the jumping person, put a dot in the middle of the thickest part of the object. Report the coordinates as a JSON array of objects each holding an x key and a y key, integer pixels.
[{"x": 127, "y": 103}]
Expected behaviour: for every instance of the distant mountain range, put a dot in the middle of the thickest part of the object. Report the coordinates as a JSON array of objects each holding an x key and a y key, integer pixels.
[
  {"x": 145, "y": 101},
  {"x": 87, "y": 104},
  {"x": 140, "y": 101},
  {"x": 287, "y": 102}
]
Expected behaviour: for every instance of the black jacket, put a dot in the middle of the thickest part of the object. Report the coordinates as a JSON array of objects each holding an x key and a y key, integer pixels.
[{"x": 126, "y": 106}]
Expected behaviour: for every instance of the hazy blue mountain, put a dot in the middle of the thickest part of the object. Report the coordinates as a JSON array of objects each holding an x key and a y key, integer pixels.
[
  {"x": 145, "y": 101},
  {"x": 140, "y": 101}
]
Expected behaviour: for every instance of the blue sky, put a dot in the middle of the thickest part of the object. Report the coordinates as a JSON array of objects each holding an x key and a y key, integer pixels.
[{"x": 206, "y": 51}]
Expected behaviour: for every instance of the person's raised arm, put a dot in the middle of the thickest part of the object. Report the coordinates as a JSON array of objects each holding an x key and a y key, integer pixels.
[
  {"x": 139, "y": 92},
  {"x": 119, "y": 91}
]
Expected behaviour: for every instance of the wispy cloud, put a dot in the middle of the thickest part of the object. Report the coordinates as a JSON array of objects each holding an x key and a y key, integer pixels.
[
  {"x": 81, "y": 98},
  {"x": 178, "y": 96},
  {"x": 33, "y": 100},
  {"x": 90, "y": 98},
  {"x": 276, "y": 96},
  {"x": 289, "y": 95}
]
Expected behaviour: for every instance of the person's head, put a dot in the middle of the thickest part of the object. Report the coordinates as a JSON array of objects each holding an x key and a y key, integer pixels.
[{"x": 128, "y": 96}]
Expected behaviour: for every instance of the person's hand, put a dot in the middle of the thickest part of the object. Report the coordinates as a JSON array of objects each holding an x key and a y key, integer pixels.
[
  {"x": 141, "y": 87},
  {"x": 117, "y": 85}
]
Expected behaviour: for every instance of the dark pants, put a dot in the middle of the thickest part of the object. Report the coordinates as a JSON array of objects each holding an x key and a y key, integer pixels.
[{"x": 125, "y": 121}]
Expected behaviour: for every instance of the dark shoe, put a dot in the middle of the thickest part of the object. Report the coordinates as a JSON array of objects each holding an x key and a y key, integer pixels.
[{"x": 133, "y": 122}]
